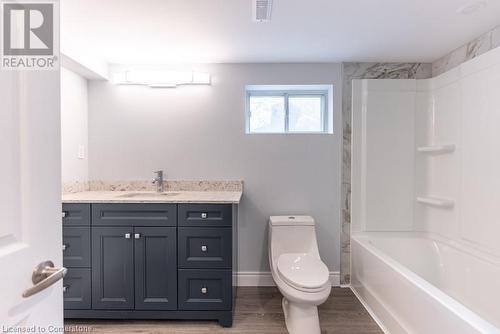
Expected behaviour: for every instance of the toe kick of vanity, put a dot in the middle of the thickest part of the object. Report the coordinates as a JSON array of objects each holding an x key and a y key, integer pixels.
[{"x": 149, "y": 260}]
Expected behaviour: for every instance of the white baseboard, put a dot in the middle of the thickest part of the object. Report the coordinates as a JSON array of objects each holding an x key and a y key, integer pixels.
[{"x": 264, "y": 278}]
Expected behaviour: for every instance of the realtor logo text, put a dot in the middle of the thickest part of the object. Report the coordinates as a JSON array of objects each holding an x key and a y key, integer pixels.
[{"x": 28, "y": 36}]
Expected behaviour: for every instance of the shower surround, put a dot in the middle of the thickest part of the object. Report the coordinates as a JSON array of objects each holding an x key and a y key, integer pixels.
[
  {"x": 425, "y": 192},
  {"x": 353, "y": 71}
]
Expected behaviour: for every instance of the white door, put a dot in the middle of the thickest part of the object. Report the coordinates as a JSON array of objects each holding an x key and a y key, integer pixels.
[{"x": 30, "y": 197}]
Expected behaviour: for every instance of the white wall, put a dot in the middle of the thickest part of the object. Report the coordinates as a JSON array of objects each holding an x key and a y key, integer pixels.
[
  {"x": 74, "y": 125},
  {"x": 198, "y": 132}
]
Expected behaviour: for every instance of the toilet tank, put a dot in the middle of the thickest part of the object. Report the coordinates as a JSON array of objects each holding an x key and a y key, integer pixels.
[{"x": 292, "y": 234}]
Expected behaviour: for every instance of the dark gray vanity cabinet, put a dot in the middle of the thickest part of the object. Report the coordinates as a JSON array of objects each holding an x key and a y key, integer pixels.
[
  {"x": 134, "y": 268},
  {"x": 149, "y": 261},
  {"x": 76, "y": 214},
  {"x": 132, "y": 214},
  {"x": 112, "y": 268},
  {"x": 155, "y": 253},
  {"x": 76, "y": 289},
  {"x": 76, "y": 250}
]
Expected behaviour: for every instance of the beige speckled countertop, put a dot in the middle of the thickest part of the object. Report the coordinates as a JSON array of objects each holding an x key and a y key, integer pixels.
[{"x": 218, "y": 197}]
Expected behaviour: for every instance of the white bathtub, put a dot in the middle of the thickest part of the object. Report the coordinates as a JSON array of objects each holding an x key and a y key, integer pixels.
[{"x": 418, "y": 283}]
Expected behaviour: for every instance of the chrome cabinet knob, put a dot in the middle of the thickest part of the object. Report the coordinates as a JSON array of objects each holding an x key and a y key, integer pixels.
[
  {"x": 204, "y": 248},
  {"x": 64, "y": 214},
  {"x": 64, "y": 247},
  {"x": 137, "y": 235},
  {"x": 204, "y": 215},
  {"x": 127, "y": 235},
  {"x": 65, "y": 288},
  {"x": 204, "y": 290}
]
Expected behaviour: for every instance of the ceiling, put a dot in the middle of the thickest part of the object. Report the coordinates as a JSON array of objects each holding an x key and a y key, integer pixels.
[{"x": 222, "y": 31}]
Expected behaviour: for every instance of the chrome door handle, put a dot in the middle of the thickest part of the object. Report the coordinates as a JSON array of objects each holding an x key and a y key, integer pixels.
[{"x": 44, "y": 275}]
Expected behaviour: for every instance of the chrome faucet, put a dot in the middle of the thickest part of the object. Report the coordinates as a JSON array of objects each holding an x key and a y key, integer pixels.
[{"x": 158, "y": 180}]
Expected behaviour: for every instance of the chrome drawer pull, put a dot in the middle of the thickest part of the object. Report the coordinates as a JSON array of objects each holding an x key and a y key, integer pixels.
[
  {"x": 137, "y": 235},
  {"x": 204, "y": 290},
  {"x": 127, "y": 235},
  {"x": 204, "y": 215},
  {"x": 204, "y": 248}
]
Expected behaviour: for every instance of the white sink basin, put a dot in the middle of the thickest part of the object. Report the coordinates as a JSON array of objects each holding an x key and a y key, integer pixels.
[{"x": 148, "y": 194}]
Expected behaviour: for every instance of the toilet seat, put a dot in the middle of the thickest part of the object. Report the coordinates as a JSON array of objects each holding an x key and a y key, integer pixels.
[{"x": 303, "y": 271}]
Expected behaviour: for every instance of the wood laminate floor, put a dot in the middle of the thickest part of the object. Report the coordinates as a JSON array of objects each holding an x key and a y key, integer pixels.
[{"x": 258, "y": 310}]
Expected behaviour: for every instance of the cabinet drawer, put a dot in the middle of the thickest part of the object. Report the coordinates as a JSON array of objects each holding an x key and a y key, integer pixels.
[
  {"x": 76, "y": 246},
  {"x": 205, "y": 215},
  {"x": 204, "y": 247},
  {"x": 134, "y": 214},
  {"x": 76, "y": 214},
  {"x": 204, "y": 289},
  {"x": 76, "y": 287}
]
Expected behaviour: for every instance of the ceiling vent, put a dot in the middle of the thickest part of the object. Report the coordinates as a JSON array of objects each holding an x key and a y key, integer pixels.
[{"x": 262, "y": 10}]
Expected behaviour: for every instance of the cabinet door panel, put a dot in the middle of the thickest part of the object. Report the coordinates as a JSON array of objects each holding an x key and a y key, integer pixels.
[
  {"x": 112, "y": 268},
  {"x": 155, "y": 268}
]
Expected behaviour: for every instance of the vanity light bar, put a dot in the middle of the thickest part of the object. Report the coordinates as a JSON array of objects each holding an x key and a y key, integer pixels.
[{"x": 161, "y": 78}]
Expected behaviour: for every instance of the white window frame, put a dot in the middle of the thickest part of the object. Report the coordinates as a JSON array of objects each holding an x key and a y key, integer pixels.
[{"x": 286, "y": 91}]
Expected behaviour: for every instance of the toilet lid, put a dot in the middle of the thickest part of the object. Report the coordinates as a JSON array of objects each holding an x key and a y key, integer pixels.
[{"x": 302, "y": 270}]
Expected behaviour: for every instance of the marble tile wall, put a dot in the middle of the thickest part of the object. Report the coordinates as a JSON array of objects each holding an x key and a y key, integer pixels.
[
  {"x": 474, "y": 48},
  {"x": 353, "y": 71}
]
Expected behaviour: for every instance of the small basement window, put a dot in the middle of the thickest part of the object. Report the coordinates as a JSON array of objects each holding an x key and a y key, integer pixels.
[{"x": 289, "y": 109}]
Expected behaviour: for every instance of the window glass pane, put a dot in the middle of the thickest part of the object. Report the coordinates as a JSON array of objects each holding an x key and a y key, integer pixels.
[
  {"x": 267, "y": 114},
  {"x": 305, "y": 113}
]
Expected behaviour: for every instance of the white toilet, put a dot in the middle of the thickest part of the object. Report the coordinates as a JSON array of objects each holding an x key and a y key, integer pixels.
[{"x": 298, "y": 271}]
